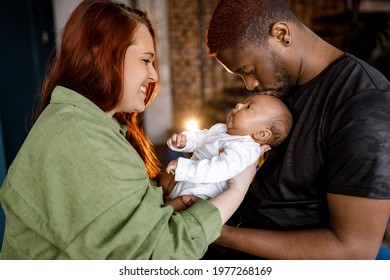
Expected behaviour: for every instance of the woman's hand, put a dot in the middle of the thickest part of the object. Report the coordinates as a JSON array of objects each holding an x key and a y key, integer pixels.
[
  {"x": 228, "y": 201},
  {"x": 243, "y": 180}
]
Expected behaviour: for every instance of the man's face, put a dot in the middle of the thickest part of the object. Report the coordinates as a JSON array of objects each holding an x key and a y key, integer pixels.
[{"x": 260, "y": 67}]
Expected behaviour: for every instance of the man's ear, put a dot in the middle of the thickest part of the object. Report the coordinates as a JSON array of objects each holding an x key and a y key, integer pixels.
[
  {"x": 281, "y": 32},
  {"x": 262, "y": 136}
]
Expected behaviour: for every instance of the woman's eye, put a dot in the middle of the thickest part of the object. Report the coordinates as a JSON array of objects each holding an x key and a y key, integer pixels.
[
  {"x": 147, "y": 61},
  {"x": 249, "y": 107}
]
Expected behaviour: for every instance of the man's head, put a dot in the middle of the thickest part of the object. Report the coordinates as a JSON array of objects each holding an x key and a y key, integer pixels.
[
  {"x": 241, "y": 23},
  {"x": 253, "y": 39},
  {"x": 264, "y": 117}
]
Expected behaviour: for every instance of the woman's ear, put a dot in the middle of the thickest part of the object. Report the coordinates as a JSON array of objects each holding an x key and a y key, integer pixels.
[{"x": 262, "y": 136}]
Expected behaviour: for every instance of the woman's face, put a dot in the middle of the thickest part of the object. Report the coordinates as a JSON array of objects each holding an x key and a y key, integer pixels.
[{"x": 138, "y": 72}]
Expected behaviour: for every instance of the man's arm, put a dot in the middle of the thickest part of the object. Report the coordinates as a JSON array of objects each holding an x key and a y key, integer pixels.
[
  {"x": 181, "y": 203},
  {"x": 356, "y": 231}
]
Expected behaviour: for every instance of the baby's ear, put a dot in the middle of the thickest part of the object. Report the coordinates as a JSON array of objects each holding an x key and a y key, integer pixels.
[{"x": 262, "y": 136}]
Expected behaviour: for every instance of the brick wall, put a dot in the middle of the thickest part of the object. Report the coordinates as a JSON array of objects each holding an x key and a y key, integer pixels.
[{"x": 197, "y": 79}]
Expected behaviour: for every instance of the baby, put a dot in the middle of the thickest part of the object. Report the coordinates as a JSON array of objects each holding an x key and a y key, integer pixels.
[{"x": 224, "y": 150}]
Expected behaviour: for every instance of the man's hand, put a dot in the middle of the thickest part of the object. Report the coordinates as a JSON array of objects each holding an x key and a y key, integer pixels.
[
  {"x": 167, "y": 182},
  {"x": 181, "y": 203}
]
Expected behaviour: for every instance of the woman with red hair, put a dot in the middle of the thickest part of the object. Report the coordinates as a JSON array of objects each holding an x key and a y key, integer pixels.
[{"x": 82, "y": 187}]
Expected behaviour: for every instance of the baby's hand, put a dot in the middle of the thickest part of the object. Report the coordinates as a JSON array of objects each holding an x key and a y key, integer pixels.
[
  {"x": 177, "y": 140},
  {"x": 172, "y": 166}
]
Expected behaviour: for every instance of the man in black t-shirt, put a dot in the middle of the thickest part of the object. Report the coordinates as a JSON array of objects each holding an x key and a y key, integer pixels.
[{"x": 324, "y": 193}]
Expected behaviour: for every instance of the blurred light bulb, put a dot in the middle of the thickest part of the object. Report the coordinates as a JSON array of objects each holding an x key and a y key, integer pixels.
[{"x": 192, "y": 125}]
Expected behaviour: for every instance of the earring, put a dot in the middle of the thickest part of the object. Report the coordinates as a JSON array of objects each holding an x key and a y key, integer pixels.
[{"x": 287, "y": 42}]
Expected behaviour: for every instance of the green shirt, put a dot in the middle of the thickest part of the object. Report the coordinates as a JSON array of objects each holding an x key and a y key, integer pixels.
[{"x": 78, "y": 190}]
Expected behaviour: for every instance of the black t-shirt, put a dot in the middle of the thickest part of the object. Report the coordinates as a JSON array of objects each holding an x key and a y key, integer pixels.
[{"x": 339, "y": 143}]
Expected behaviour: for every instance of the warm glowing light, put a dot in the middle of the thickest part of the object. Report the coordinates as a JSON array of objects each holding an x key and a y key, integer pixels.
[{"x": 192, "y": 125}]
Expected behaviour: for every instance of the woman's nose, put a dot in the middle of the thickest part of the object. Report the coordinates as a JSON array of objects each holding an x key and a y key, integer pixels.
[{"x": 153, "y": 74}]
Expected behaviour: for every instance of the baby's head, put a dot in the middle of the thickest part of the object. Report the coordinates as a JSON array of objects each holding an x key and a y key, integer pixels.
[{"x": 264, "y": 117}]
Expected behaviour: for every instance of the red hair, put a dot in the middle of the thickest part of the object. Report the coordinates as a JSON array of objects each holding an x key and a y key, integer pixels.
[{"x": 91, "y": 62}]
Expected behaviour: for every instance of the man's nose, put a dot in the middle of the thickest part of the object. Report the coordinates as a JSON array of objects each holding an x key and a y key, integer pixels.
[{"x": 251, "y": 83}]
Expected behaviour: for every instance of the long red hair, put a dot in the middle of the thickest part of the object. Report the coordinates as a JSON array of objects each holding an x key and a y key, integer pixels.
[{"x": 91, "y": 62}]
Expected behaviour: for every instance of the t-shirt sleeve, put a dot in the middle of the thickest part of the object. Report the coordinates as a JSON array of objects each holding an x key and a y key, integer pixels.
[{"x": 358, "y": 153}]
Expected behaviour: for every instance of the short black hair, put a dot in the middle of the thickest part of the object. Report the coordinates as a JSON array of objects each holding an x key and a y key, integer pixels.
[{"x": 239, "y": 23}]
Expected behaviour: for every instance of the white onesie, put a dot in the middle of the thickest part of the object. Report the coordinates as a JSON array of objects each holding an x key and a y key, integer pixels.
[{"x": 206, "y": 173}]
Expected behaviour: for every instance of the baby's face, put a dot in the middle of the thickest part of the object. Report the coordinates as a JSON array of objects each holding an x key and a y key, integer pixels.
[{"x": 250, "y": 116}]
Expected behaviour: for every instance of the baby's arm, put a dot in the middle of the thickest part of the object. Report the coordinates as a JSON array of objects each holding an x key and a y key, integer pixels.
[
  {"x": 234, "y": 158},
  {"x": 171, "y": 167},
  {"x": 177, "y": 141},
  {"x": 186, "y": 142}
]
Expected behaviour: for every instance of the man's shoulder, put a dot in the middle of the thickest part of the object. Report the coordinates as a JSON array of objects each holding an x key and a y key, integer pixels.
[{"x": 359, "y": 73}]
